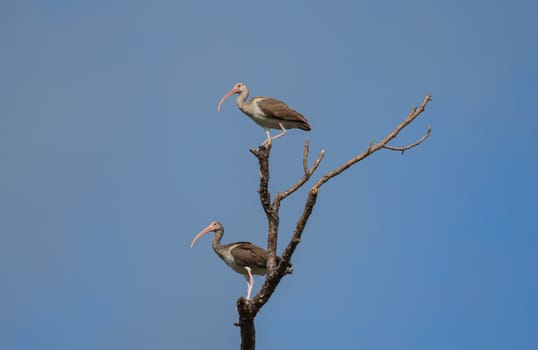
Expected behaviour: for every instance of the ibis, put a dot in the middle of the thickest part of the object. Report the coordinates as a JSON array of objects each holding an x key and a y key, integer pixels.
[
  {"x": 267, "y": 112},
  {"x": 243, "y": 257}
]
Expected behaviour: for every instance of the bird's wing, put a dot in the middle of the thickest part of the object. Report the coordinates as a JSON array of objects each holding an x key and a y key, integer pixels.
[
  {"x": 248, "y": 254},
  {"x": 274, "y": 108}
]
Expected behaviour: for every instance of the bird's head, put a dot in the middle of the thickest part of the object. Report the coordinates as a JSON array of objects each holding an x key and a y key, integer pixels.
[
  {"x": 213, "y": 227},
  {"x": 237, "y": 89}
]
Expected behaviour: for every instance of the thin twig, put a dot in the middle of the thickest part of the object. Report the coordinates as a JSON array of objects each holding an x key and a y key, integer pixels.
[
  {"x": 305, "y": 155},
  {"x": 418, "y": 142},
  {"x": 308, "y": 173}
]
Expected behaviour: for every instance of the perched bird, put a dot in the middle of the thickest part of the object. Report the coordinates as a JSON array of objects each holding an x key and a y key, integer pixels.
[
  {"x": 243, "y": 257},
  {"x": 267, "y": 112}
]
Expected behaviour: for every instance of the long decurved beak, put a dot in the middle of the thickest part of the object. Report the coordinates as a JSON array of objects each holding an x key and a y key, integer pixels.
[
  {"x": 201, "y": 233},
  {"x": 228, "y": 94}
]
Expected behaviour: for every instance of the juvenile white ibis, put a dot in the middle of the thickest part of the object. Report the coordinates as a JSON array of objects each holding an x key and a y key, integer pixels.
[
  {"x": 243, "y": 257},
  {"x": 267, "y": 112}
]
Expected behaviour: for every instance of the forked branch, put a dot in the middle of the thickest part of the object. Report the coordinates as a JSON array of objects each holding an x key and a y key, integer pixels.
[
  {"x": 415, "y": 112},
  {"x": 248, "y": 309},
  {"x": 307, "y": 172},
  {"x": 416, "y": 143}
]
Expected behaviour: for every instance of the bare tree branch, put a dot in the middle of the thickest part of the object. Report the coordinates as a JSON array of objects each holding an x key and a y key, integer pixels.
[
  {"x": 415, "y": 112},
  {"x": 272, "y": 237},
  {"x": 305, "y": 155},
  {"x": 263, "y": 158},
  {"x": 248, "y": 309},
  {"x": 246, "y": 322},
  {"x": 299, "y": 227},
  {"x": 307, "y": 172},
  {"x": 418, "y": 142}
]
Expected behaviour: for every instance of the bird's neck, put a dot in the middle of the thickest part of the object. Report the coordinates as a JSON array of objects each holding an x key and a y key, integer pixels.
[
  {"x": 216, "y": 241},
  {"x": 241, "y": 98}
]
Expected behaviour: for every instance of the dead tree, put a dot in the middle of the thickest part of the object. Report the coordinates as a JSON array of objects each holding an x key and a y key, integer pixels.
[{"x": 248, "y": 309}]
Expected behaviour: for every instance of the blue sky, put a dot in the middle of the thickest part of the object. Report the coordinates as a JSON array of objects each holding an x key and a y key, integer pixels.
[{"x": 113, "y": 157}]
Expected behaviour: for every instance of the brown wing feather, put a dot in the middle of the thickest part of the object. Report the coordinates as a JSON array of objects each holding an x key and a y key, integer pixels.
[
  {"x": 273, "y": 108},
  {"x": 248, "y": 254}
]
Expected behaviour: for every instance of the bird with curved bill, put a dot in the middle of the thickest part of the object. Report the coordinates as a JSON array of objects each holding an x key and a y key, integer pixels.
[
  {"x": 243, "y": 257},
  {"x": 267, "y": 112}
]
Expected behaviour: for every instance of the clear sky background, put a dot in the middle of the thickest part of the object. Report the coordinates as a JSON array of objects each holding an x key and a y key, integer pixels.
[{"x": 113, "y": 157}]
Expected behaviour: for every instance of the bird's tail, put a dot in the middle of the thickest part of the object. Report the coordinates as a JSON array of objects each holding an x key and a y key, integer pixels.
[{"x": 305, "y": 127}]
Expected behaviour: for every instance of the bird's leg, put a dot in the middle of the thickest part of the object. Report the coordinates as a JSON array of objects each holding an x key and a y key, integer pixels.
[
  {"x": 250, "y": 282},
  {"x": 282, "y": 133},
  {"x": 267, "y": 141}
]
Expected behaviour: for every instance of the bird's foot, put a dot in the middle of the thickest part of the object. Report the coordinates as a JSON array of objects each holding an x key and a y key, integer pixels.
[
  {"x": 268, "y": 140},
  {"x": 266, "y": 143}
]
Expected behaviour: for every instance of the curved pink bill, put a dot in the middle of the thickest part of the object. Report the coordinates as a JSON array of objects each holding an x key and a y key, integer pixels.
[
  {"x": 201, "y": 233},
  {"x": 228, "y": 94}
]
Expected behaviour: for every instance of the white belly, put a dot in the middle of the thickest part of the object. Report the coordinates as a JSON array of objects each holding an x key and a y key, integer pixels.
[{"x": 260, "y": 119}]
